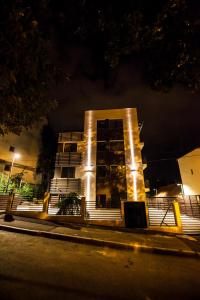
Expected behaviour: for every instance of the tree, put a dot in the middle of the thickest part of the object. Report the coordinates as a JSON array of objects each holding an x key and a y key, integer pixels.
[
  {"x": 26, "y": 70},
  {"x": 69, "y": 205},
  {"x": 46, "y": 159},
  {"x": 164, "y": 35}
]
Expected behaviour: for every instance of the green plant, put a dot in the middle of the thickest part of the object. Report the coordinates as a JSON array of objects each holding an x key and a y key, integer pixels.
[
  {"x": 27, "y": 191},
  {"x": 69, "y": 205}
]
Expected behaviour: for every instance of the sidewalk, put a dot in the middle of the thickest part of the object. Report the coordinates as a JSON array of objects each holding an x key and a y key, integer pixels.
[{"x": 134, "y": 240}]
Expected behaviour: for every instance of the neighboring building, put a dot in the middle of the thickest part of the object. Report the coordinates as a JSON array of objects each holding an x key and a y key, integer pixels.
[
  {"x": 103, "y": 163},
  {"x": 27, "y": 145},
  {"x": 189, "y": 165},
  {"x": 171, "y": 190},
  {"x": 68, "y": 167}
]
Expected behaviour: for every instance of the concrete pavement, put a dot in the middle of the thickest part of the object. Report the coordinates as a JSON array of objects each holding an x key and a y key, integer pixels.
[{"x": 134, "y": 240}]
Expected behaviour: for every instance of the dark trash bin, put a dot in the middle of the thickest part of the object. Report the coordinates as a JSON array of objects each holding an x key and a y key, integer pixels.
[{"x": 135, "y": 214}]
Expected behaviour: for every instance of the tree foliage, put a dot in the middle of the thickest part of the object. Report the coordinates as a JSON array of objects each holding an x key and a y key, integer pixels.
[
  {"x": 26, "y": 70},
  {"x": 163, "y": 34},
  {"x": 46, "y": 159},
  {"x": 69, "y": 205}
]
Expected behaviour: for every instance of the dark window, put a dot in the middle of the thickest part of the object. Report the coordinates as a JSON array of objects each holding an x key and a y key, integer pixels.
[
  {"x": 116, "y": 124},
  {"x": 68, "y": 172},
  {"x": 117, "y": 159},
  {"x": 192, "y": 171},
  {"x": 7, "y": 167},
  {"x": 12, "y": 149},
  {"x": 102, "y": 124},
  {"x": 118, "y": 171},
  {"x": 102, "y": 134},
  {"x": 101, "y": 146},
  {"x": 117, "y": 146},
  {"x": 109, "y": 130},
  {"x": 101, "y": 201},
  {"x": 70, "y": 147},
  {"x": 60, "y": 147},
  {"x": 110, "y": 160},
  {"x": 102, "y": 158},
  {"x": 101, "y": 171},
  {"x": 116, "y": 134}
]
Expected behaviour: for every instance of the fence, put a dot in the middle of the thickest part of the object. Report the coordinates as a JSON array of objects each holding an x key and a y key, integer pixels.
[
  {"x": 190, "y": 206},
  {"x": 3, "y": 201},
  {"x": 21, "y": 203},
  {"x": 161, "y": 211},
  {"x": 190, "y": 214}
]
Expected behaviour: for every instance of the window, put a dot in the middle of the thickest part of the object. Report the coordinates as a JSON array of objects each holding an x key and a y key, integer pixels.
[
  {"x": 68, "y": 172},
  {"x": 116, "y": 124},
  {"x": 102, "y": 123},
  {"x": 116, "y": 134},
  {"x": 101, "y": 171},
  {"x": 117, "y": 159},
  {"x": 70, "y": 147},
  {"x": 117, "y": 146},
  {"x": 101, "y": 146},
  {"x": 7, "y": 167},
  {"x": 101, "y": 201},
  {"x": 191, "y": 170},
  {"x": 60, "y": 147},
  {"x": 118, "y": 171}
]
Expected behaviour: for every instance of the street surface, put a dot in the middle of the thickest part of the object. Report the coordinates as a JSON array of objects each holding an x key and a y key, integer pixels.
[{"x": 40, "y": 268}]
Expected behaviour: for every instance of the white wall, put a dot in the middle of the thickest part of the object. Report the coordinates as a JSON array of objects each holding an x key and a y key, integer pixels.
[
  {"x": 27, "y": 144},
  {"x": 189, "y": 166}
]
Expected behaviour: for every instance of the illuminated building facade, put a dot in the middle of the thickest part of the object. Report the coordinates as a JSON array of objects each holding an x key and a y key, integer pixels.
[
  {"x": 189, "y": 166},
  {"x": 108, "y": 169}
]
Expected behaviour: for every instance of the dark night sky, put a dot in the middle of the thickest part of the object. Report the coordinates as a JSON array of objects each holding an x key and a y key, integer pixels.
[{"x": 171, "y": 119}]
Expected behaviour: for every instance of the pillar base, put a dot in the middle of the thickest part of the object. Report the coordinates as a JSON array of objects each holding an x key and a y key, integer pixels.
[{"x": 135, "y": 214}]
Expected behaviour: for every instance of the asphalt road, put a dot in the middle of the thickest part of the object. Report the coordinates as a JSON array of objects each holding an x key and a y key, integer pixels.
[{"x": 40, "y": 268}]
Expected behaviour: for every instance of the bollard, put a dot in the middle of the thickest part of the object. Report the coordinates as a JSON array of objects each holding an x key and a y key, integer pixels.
[
  {"x": 177, "y": 215},
  {"x": 8, "y": 217}
]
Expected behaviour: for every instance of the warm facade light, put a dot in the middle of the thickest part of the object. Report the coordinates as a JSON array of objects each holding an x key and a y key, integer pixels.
[
  {"x": 88, "y": 167},
  {"x": 133, "y": 166}
]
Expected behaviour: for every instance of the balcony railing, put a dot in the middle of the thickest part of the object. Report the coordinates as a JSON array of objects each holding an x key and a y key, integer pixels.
[
  {"x": 65, "y": 185},
  {"x": 70, "y": 136},
  {"x": 68, "y": 159}
]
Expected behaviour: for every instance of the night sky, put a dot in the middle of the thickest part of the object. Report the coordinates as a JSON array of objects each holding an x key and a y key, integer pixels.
[{"x": 171, "y": 122}]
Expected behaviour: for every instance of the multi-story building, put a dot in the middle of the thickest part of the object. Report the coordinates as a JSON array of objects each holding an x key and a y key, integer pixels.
[
  {"x": 189, "y": 166},
  {"x": 103, "y": 164},
  {"x": 68, "y": 167},
  {"x": 27, "y": 146}
]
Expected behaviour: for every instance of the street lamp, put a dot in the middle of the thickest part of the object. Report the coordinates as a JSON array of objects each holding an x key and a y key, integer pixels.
[
  {"x": 8, "y": 217},
  {"x": 15, "y": 156}
]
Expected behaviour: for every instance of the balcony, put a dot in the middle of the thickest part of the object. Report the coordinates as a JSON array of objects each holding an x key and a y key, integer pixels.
[
  {"x": 65, "y": 185},
  {"x": 70, "y": 136},
  {"x": 68, "y": 159}
]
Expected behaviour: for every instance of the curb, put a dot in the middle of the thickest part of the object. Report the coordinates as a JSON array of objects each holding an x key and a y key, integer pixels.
[{"x": 103, "y": 243}]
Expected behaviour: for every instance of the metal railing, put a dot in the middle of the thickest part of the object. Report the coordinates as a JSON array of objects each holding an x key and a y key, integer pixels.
[
  {"x": 65, "y": 185},
  {"x": 68, "y": 159},
  {"x": 4, "y": 197},
  {"x": 190, "y": 205},
  {"x": 161, "y": 211},
  {"x": 70, "y": 136}
]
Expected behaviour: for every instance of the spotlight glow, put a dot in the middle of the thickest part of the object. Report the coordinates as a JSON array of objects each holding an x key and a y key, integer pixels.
[
  {"x": 89, "y": 141},
  {"x": 133, "y": 166},
  {"x": 88, "y": 166},
  {"x": 88, "y": 186}
]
